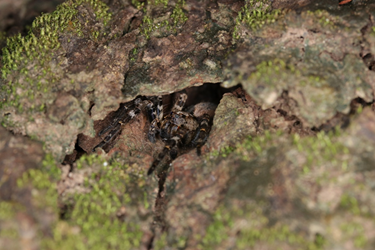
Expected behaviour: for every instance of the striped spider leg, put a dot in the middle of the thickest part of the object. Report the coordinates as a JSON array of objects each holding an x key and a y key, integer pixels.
[
  {"x": 155, "y": 116},
  {"x": 123, "y": 115}
]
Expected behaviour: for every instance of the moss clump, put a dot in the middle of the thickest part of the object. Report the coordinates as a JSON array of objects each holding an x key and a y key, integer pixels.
[
  {"x": 28, "y": 69},
  {"x": 113, "y": 214},
  {"x": 107, "y": 216},
  {"x": 254, "y": 146},
  {"x": 170, "y": 23},
  {"x": 36, "y": 199},
  {"x": 246, "y": 222},
  {"x": 266, "y": 70},
  {"x": 349, "y": 202},
  {"x": 178, "y": 16},
  {"x": 34, "y": 74},
  {"x": 43, "y": 181},
  {"x": 324, "y": 18},
  {"x": 356, "y": 232},
  {"x": 255, "y": 14},
  {"x": 322, "y": 150},
  {"x": 216, "y": 231},
  {"x": 6, "y": 210},
  {"x": 316, "y": 151},
  {"x": 9, "y": 229},
  {"x": 164, "y": 242},
  {"x": 223, "y": 152},
  {"x": 43, "y": 36},
  {"x": 139, "y": 5},
  {"x": 148, "y": 25}
]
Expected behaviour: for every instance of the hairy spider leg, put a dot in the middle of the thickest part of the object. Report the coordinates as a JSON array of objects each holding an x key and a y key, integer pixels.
[
  {"x": 153, "y": 112},
  {"x": 109, "y": 137},
  {"x": 159, "y": 108},
  {"x": 129, "y": 116},
  {"x": 171, "y": 147},
  {"x": 121, "y": 114},
  {"x": 202, "y": 133},
  {"x": 123, "y": 117},
  {"x": 155, "y": 116},
  {"x": 153, "y": 130},
  {"x": 165, "y": 130},
  {"x": 180, "y": 103}
]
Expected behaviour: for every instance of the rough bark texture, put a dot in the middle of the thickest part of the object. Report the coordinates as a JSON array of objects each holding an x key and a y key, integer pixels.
[{"x": 289, "y": 159}]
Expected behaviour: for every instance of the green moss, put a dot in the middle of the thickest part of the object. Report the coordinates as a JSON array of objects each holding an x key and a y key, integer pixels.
[
  {"x": 164, "y": 2},
  {"x": 314, "y": 152},
  {"x": 7, "y": 122},
  {"x": 95, "y": 213},
  {"x": 163, "y": 242},
  {"x": 147, "y": 26},
  {"x": 35, "y": 196},
  {"x": 324, "y": 18},
  {"x": 10, "y": 233},
  {"x": 349, "y": 202},
  {"x": 88, "y": 160},
  {"x": 139, "y": 5},
  {"x": 169, "y": 24},
  {"x": 355, "y": 231},
  {"x": 49, "y": 165},
  {"x": 27, "y": 69},
  {"x": 255, "y": 14},
  {"x": 251, "y": 228},
  {"x": 225, "y": 151},
  {"x": 254, "y": 146},
  {"x": 91, "y": 220},
  {"x": 43, "y": 181},
  {"x": 178, "y": 16},
  {"x": 269, "y": 71},
  {"x": 321, "y": 150},
  {"x": 6, "y": 210},
  {"x": 216, "y": 231},
  {"x": 133, "y": 55}
]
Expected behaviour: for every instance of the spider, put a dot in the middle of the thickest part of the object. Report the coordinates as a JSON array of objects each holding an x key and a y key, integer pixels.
[{"x": 181, "y": 129}]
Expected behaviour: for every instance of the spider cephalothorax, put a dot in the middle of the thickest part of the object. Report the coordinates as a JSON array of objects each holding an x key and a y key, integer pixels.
[{"x": 180, "y": 129}]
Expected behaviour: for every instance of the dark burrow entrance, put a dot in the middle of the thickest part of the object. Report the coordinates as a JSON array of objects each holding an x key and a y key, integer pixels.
[{"x": 208, "y": 92}]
